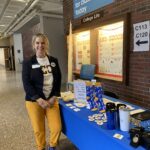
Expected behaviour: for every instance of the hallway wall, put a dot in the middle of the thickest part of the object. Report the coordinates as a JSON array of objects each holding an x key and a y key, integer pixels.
[
  {"x": 2, "y": 59},
  {"x": 54, "y": 29},
  {"x": 4, "y": 42},
  {"x": 18, "y": 50}
]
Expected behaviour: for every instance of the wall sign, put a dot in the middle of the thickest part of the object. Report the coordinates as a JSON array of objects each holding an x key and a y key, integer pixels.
[
  {"x": 82, "y": 7},
  {"x": 141, "y": 36},
  {"x": 93, "y": 17}
]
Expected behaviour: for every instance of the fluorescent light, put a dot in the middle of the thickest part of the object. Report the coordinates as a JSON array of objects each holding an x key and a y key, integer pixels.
[
  {"x": 24, "y": 1},
  {"x": 9, "y": 16}
]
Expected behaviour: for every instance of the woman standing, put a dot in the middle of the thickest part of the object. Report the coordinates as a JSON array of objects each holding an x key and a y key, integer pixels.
[{"x": 42, "y": 81}]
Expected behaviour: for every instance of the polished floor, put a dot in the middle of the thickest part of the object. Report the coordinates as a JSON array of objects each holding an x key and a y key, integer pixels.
[{"x": 15, "y": 128}]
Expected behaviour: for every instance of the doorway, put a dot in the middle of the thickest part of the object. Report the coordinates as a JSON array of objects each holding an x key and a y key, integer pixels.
[{"x": 7, "y": 59}]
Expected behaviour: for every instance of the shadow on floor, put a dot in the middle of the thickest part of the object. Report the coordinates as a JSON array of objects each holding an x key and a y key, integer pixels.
[{"x": 65, "y": 144}]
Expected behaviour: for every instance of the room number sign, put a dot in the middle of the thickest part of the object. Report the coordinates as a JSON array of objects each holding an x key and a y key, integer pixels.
[{"x": 141, "y": 36}]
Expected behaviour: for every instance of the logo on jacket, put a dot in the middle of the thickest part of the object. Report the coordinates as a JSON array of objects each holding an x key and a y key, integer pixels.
[{"x": 53, "y": 64}]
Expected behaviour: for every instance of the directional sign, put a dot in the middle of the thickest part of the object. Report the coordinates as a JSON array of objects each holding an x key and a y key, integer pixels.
[{"x": 141, "y": 36}]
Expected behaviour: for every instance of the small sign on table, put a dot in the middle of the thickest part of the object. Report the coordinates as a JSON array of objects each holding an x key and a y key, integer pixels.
[{"x": 80, "y": 91}]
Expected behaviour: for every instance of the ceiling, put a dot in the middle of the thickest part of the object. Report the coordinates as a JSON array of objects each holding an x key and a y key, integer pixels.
[{"x": 15, "y": 13}]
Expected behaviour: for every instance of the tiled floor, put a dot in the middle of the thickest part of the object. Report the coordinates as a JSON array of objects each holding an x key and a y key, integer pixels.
[{"x": 15, "y": 128}]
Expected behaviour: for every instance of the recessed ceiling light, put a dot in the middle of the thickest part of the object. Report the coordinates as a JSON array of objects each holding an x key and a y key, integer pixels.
[
  {"x": 24, "y": 1},
  {"x": 9, "y": 16}
]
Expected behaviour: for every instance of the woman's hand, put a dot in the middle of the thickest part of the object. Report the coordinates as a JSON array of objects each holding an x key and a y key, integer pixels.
[
  {"x": 52, "y": 100},
  {"x": 43, "y": 103}
]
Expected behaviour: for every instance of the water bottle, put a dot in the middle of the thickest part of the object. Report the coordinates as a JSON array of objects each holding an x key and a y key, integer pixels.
[
  {"x": 124, "y": 115},
  {"x": 110, "y": 113},
  {"x": 117, "y": 119}
]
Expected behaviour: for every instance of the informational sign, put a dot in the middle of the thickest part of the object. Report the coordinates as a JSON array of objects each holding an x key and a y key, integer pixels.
[
  {"x": 82, "y": 7},
  {"x": 110, "y": 51},
  {"x": 80, "y": 91},
  {"x": 141, "y": 36},
  {"x": 82, "y": 49}
]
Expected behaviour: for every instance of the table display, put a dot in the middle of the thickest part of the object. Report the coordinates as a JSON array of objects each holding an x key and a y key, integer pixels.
[{"x": 82, "y": 127}]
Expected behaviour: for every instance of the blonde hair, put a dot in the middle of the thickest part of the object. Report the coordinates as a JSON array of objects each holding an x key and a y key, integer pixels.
[{"x": 42, "y": 36}]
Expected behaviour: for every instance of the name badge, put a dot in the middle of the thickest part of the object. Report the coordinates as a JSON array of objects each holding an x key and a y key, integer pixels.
[{"x": 35, "y": 66}]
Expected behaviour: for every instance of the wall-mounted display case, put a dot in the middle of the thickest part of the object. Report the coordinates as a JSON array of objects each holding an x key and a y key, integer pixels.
[
  {"x": 110, "y": 51},
  {"x": 105, "y": 45}
]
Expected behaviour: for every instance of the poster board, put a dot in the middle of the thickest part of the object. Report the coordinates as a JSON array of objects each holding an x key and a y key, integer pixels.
[
  {"x": 82, "y": 49},
  {"x": 110, "y": 51}
]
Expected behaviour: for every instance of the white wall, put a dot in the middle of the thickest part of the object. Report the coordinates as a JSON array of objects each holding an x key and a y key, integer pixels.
[
  {"x": 2, "y": 59},
  {"x": 18, "y": 50}
]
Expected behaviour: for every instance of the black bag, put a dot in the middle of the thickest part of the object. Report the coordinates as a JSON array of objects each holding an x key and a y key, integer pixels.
[
  {"x": 136, "y": 136},
  {"x": 139, "y": 136},
  {"x": 146, "y": 140}
]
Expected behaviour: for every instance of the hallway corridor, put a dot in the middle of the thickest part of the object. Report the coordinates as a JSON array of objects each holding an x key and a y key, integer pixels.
[{"x": 15, "y": 128}]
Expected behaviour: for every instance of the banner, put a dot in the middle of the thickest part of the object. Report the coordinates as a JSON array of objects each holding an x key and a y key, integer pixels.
[
  {"x": 82, "y": 7},
  {"x": 70, "y": 53}
]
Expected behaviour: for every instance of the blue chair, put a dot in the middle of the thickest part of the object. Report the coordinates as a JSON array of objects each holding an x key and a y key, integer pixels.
[{"x": 87, "y": 72}]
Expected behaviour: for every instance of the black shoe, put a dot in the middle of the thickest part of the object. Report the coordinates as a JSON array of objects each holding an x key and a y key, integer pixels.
[{"x": 51, "y": 148}]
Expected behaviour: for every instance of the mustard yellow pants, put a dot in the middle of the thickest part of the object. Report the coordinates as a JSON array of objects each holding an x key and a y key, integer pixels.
[{"x": 37, "y": 116}]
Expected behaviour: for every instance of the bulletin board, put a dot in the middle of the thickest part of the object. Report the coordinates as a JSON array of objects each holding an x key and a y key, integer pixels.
[
  {"x": 81, "y": 49},
  {"x": 107, "y": 46},
  {"x": 110, "y": 51}
]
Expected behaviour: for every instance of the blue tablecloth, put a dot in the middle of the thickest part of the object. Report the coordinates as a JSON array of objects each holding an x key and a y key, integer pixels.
[{"x": 87, "y": 135}]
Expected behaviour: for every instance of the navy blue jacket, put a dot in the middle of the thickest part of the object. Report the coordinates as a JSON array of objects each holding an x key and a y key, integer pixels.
[{"x": 32, "y": 78}]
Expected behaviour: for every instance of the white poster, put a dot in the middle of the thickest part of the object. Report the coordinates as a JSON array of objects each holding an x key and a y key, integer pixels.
[
  {"x": 141, "y": 36},
  {"x": 82, "y": 49},
  {"x": 110, "y": 50}
]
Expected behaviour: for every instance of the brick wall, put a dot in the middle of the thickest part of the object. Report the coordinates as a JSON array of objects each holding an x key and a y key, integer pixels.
[{"x": 138, "y": 89}]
